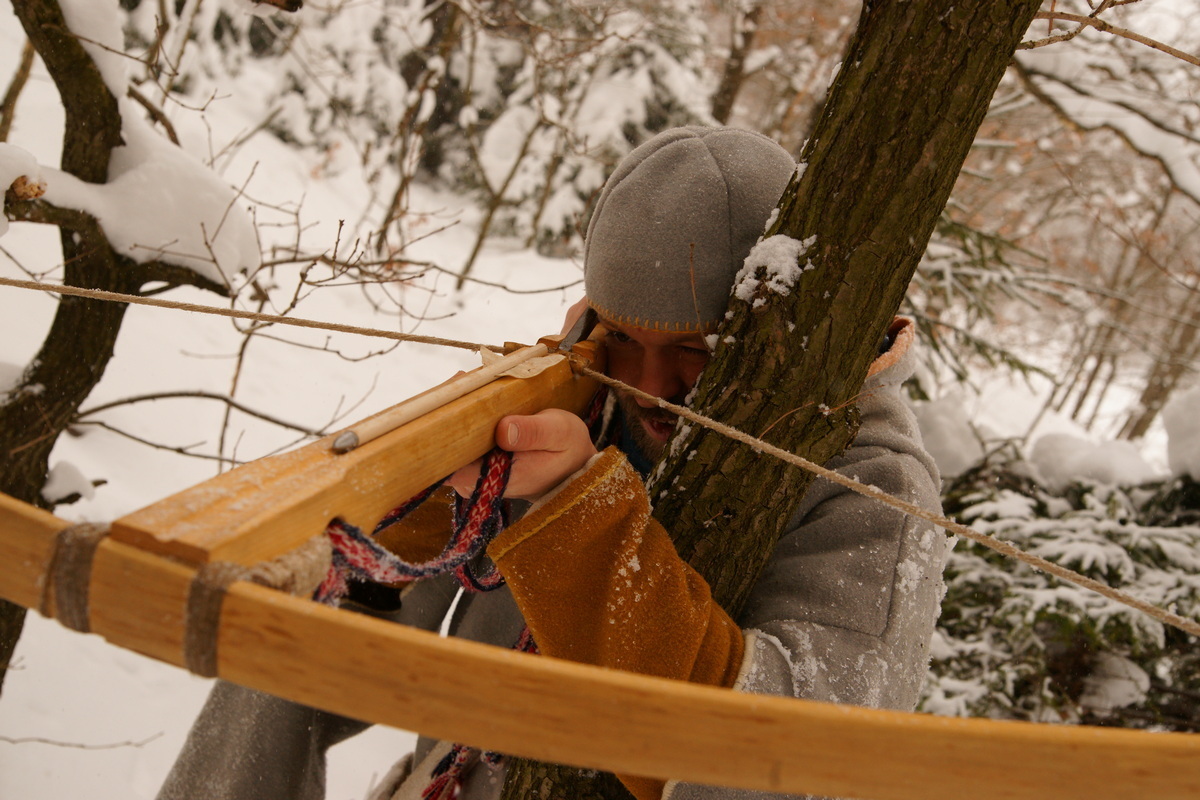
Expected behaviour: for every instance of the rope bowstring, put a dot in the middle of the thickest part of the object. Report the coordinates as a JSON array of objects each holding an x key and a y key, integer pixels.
[
  {"x": 947, "y": 524},
  {"x": 950, "y": 526},
  {"x": 251, "y": 316}
]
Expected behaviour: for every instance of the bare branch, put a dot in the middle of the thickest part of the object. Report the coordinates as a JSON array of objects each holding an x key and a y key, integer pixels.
[
  {"x": 506, "y": 288},
  {"x": 326, "y": 348},
  {"x": 282, "y": 5},
  {"x": 8, "y": 106},
  {"x": 79, "y": 745},
  {"x": 71, "y": 219},
  {"x": 156, "y": 114},
  {"x": 184, "y": 450},
  {"x": 1092, "y": 22},
  {"x": 229, "y": 401}
]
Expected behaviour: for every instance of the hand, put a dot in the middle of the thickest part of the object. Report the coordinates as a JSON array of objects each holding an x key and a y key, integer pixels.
[{"x": 547, "y": 447}]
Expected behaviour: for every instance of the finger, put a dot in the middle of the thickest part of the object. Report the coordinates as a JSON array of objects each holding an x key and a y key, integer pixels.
[
  {"x": 464, "y": 478},
  {"x": 535, "y": 472},
  {"x": 552, "y": 429}
]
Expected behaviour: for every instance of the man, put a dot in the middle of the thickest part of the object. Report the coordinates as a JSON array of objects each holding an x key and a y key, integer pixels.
[{"x": 844, "y": 610}]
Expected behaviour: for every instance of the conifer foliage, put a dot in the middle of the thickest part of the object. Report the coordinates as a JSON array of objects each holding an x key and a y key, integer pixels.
[{"x": 1013, "y": 643}]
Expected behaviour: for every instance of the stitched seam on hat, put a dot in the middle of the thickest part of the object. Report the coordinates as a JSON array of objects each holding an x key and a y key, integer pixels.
[{"x": 649, "y": 325}]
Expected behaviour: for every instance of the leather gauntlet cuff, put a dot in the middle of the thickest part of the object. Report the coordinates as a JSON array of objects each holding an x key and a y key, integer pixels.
[{"x": 599, "y": 581}]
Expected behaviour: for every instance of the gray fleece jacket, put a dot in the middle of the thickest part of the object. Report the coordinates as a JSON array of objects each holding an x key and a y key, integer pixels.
[{"x": 843, "y": 613}]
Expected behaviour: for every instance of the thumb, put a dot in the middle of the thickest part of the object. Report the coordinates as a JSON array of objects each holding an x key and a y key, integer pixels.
[{"x": 551, "y": 429}]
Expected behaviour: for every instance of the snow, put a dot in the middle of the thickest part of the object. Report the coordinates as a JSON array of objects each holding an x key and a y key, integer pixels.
[
  {"x": 211, "y": 235},
  {"x": 66, "y": 479},
  {"x": 947, "y": 433},
  {"x": 1060, "y": 458},
  {"x": 1115, "y": 682},
  {"x": 1182, "y": 423},
  {"x": 103, "y": 42},
  {"x": 10, "y": 376},
  {"x": 773, "y": 265}
]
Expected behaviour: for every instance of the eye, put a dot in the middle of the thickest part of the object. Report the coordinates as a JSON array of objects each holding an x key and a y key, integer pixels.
[{"x": 619, "y": 338}]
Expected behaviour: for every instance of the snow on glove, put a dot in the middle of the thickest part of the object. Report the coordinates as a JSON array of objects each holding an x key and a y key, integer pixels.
[{"x": 600, "y": 582}]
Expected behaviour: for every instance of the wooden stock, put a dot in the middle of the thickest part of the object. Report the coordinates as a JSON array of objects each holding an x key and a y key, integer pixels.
[
  {"x": 558, "y": 711},
  {"x": 267, "y": 507}
]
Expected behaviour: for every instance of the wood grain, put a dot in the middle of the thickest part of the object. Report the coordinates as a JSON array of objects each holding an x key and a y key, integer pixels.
[
  {"x": 270, "y": 506},
  {"x": 559, "y": 711}
]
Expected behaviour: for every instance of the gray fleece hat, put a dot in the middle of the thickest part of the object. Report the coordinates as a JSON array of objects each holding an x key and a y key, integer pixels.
[{"x": 674, "y": 223}]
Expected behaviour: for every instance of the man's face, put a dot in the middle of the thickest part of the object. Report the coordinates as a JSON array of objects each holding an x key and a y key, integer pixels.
[{"x": 661, "y": 364}]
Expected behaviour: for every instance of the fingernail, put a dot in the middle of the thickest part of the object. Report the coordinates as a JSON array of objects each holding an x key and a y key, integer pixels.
[{"x": 513, "y": 433}]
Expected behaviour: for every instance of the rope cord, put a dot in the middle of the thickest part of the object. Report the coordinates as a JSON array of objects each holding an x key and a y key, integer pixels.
[
  {"x": 949, "y": 525},
  {"x": 296, "y": 322},
  {"x": 206, "y": 595},
  {"x": 477, "y": 521},
  {"x": 295, "y": 572},
  {"x": 69, "y": 575}
]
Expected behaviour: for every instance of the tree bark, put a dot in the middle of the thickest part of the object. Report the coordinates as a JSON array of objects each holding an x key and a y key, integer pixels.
[
  {"x": 81, "y": 339},
  {"x": 915, "y": 84},
  {"x": 71, "y": 360}
]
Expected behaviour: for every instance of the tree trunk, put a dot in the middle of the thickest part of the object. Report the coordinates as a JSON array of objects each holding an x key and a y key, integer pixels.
[
  {"x": 1178, "y": 353},
  {"x": 81, "y": 338},
  {"x": 80, "y": 342},
  {"x": 734, "y": 75},
  {"x": 881, "y": 161}
]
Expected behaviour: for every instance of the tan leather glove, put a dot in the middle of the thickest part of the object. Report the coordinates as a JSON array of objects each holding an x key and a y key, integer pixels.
[
  {"x": 600, "y": 582},
  {"x": 422, "y": 535}
]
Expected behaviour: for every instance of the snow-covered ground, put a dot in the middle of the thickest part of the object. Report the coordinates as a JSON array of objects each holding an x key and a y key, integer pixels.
[
  {"x": 79, "y": 718},
  {"x": 76, "y": 689}
]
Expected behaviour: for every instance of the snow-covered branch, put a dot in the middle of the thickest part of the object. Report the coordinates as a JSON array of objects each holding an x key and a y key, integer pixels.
[{"x": 1094, "y": 22}]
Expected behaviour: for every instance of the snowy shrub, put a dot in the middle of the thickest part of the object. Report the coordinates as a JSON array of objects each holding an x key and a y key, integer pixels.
[
  {"x": 1183, "y": 433},
  {"x": 583, "y": 85},
  {"x": 1015, "y": 643},
  {"x": 526, "y": 104}
]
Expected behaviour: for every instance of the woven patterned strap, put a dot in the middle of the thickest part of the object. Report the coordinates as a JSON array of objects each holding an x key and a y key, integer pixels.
[{"x": 477, "y": 520}]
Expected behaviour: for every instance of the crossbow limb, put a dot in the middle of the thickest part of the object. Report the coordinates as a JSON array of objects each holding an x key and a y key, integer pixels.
[
  {"x": 538, "y": 707},
  {"x": 555, "y": 710}
]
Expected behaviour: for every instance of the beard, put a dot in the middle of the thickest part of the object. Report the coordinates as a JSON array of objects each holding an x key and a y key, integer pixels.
[{"x": 637, "y": 418}]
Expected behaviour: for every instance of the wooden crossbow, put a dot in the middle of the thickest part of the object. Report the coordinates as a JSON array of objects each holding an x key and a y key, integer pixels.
[{"x": 538, "y": 707}]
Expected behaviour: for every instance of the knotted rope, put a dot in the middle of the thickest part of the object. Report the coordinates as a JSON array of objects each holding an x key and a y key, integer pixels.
[{"x": 294, "y": 572}]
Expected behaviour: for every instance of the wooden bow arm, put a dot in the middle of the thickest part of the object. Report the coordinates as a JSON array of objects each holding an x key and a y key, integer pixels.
[
  {"x": 268, "y": 507},
  {"x": 563, "y": 712}
]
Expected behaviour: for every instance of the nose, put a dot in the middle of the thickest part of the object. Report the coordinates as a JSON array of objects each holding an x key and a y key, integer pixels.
[{"x": 659, "y": 375}]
